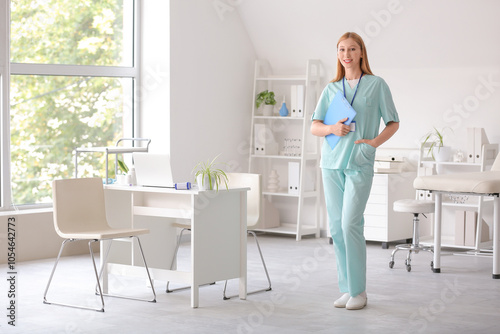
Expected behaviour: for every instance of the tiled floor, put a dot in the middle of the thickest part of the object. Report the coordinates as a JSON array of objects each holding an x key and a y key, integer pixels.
[{"x": 462, "y": 299}]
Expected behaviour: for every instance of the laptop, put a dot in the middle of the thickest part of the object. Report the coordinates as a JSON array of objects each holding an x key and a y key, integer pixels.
[{"x": 153, "y": 170}]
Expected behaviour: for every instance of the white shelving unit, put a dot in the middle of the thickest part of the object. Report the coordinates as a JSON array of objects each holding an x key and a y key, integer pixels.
[
  {"x": 469, "y": 203},
  {"x": 288, "y": 139}
]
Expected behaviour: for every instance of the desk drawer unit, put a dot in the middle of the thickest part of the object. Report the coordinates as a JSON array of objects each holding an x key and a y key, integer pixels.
[{"x": 381, "y": 222}]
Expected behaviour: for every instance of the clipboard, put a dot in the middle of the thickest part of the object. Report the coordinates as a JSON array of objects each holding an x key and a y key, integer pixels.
[{"x": 339, "y": 109}]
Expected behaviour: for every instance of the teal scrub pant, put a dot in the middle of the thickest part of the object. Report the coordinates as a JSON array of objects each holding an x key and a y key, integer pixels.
[{"x": 346, "y": 194}]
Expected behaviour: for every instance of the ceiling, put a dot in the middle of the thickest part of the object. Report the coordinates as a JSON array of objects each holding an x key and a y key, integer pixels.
[{"x": 398, "y": 34}]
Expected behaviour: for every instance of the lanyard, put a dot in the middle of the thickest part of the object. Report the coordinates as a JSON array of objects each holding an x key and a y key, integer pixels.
[{"x": 343, "y": 85}]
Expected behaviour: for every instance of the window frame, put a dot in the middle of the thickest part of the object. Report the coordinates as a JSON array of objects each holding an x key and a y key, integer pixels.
[{"x": 7, "y": 69}]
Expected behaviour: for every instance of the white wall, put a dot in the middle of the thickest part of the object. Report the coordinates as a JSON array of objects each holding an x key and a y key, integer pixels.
[
  {"x": 35, "y": 237},
  {"x": 211, "y": 61},
  {"x": 154, "y": 85},
  {"x": 440, "y": 58}
]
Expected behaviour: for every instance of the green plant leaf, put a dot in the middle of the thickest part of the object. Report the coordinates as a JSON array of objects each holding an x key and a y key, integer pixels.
[
  {"x": 436, "y": 139},
  {"x": 214, "y": 175},
  {"x": 265, "y": 97},
  {"x": 122, "y": 166}
]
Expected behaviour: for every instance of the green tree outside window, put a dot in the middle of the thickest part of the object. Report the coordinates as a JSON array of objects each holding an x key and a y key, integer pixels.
[{"x": 52, "y": 115}]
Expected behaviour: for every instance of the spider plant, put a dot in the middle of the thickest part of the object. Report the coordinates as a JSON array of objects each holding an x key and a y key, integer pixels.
[
  {"x": 436, "y": 140},
  {"x": 206, "y": 171}
]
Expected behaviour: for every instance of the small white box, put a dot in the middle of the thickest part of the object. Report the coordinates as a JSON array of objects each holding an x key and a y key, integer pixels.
[{"x": 425, "y": 195}]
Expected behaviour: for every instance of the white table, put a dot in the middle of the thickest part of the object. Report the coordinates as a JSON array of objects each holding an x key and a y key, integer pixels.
[
  {"x": 218, "y": 234},
  {"x": 478, "y": 184}
]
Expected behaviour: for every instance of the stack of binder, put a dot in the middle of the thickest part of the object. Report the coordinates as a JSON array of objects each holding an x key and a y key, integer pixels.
[
  {"x": 476, "y": 138},
  {"x": 297, "y": 100}
]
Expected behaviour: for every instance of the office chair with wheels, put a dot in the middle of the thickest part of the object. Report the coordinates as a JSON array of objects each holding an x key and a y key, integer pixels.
[
  {"x": 415, "y": 207},
  {"x": 80, "y": 214}
]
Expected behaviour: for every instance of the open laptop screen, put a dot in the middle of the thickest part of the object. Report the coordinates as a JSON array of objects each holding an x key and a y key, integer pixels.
[{"x": 153, "y": 170}]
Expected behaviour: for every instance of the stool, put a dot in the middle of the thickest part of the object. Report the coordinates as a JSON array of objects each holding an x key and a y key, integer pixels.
[{"x": 415, "y": 207}]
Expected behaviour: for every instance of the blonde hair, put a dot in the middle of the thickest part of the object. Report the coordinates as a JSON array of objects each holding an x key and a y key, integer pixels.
[{"x": 365, "y": 66}]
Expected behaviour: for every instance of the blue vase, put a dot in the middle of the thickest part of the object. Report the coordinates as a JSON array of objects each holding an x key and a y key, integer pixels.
[{"x": 283, "y": 110}]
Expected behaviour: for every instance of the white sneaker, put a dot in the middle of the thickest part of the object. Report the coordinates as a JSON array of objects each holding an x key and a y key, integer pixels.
[
  {"x": 342, "y": 301},
  {"x": 358, "y": 302}
]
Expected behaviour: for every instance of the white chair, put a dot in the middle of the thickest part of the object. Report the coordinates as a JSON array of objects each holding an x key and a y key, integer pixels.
[
  {"x": 80, "y": 214},
  {"x": 415, "y": 207},
  {"x": 254, "y": 214}
]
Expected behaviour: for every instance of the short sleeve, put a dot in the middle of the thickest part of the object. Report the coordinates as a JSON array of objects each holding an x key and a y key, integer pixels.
[
  {"x": 322, "y": 106},
  {"x": 387, "y": 108}
]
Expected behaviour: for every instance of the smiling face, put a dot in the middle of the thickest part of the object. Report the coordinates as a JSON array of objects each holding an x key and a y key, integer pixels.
[{"x": 349, "y": 54}]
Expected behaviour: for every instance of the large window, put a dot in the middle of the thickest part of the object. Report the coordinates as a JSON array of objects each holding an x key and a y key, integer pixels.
[{"x": 72, "y": 79}]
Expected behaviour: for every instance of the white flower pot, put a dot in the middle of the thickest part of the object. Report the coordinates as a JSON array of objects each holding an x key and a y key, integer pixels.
[
  {"x": 204, "y": 184},
  {"x": 442, "y": 154},
  {"x": 267, "y": 110},
  {"x": 123, "y": 179}
]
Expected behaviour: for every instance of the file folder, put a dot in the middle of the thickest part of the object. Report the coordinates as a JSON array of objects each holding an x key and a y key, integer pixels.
[
  {"x": 471, "y": 146},
  {"x": 339, "y": 109},
  {"x": 300, "y": 101},
  {"x": 293, "y": 178},
  {"x": 264, "y": 142},
  {"x": 480, "y": 139},
  {"x": 293, "y": 102}
]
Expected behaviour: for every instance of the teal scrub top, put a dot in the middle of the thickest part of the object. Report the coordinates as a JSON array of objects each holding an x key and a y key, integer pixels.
[{"x": 373, "y": 102}]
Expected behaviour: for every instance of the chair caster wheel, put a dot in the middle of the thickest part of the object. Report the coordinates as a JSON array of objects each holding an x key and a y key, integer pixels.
[
  {"x": 408, "y": 265},
  {"x": 391, "y": 264}
]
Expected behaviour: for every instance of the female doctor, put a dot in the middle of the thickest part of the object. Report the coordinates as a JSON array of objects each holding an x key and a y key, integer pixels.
[{"x": 348, "y": 168}]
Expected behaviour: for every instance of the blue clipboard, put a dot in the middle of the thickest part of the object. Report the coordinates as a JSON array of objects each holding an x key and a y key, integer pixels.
[{"x": 339, "y": 109}]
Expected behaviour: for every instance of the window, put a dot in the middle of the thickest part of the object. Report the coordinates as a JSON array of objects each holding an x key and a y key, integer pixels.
[{"x": 72, "y": 80}]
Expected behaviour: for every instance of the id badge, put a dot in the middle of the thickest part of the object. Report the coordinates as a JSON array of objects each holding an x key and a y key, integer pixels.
[{"x": 352, "y": 126}]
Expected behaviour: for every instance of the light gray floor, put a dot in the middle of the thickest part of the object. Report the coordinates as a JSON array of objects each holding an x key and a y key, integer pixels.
[{"x": 462, "y": 299}]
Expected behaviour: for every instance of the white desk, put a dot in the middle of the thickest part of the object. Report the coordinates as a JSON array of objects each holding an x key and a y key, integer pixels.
[{"x": 218, "y": 234}]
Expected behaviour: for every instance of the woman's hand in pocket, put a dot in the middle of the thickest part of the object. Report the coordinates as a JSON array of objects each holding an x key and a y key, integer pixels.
[{"x": 370, "y": 142}]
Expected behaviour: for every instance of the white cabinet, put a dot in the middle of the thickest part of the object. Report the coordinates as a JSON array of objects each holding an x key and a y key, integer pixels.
[
  {"x": 282, "y": 147},
  {"x": 381, "y": 222}
]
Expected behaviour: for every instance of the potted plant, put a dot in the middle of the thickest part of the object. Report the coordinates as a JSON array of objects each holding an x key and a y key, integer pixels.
[
  {"x": 208, "y": 176},
  {"x": 122, "y": 166},
  {"x": 122, "y": 177},
  {"x": 434, "y": 144},
  {"x": 267, "y": 98}
]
